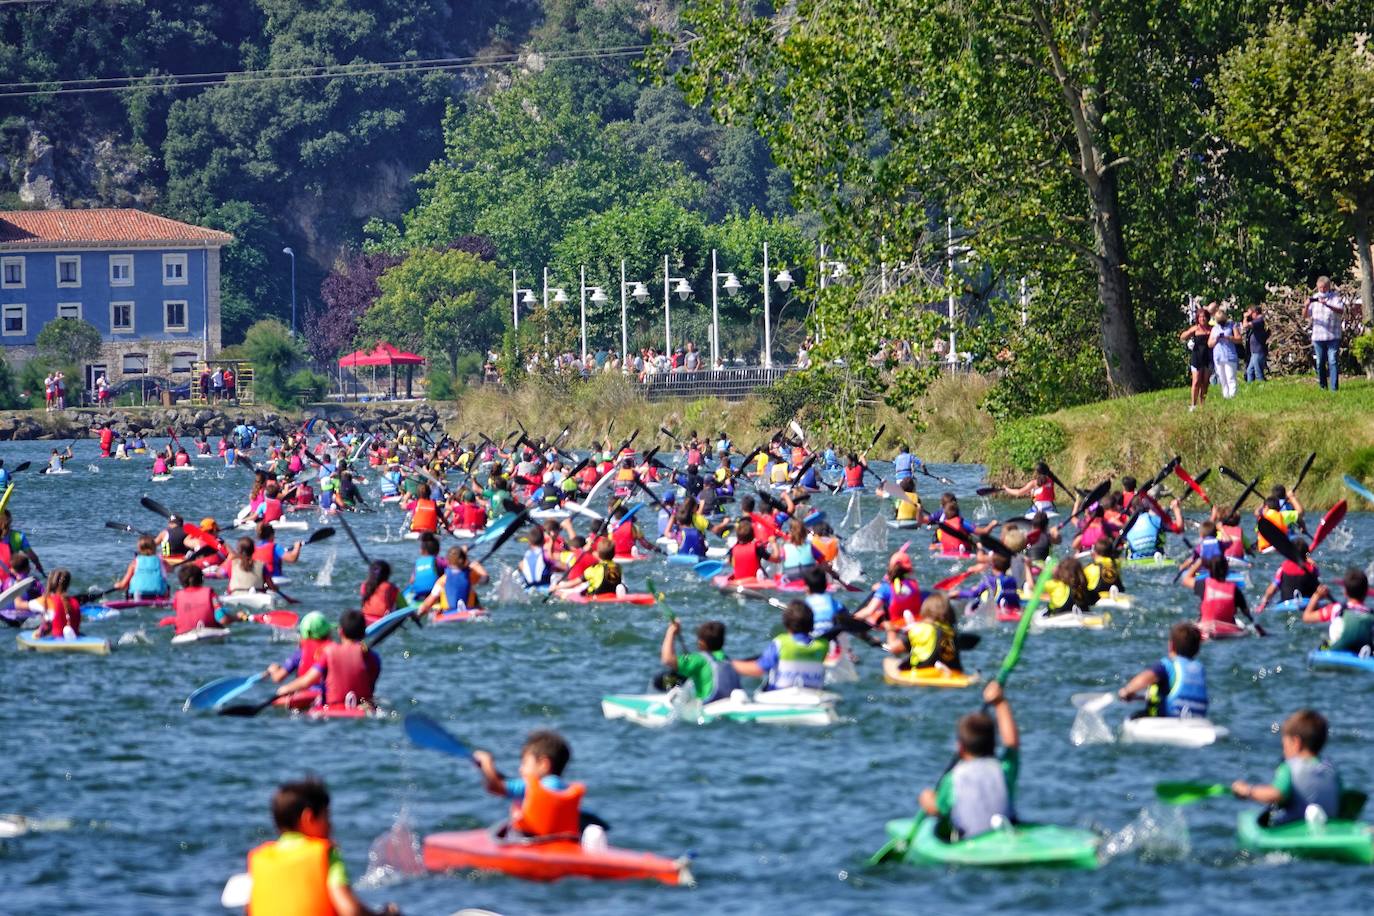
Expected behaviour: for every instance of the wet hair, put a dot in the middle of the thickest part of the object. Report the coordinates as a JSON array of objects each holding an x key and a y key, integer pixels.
[
  {"x": 244, "y": 554},
  {"x": 605, "y": 551},
  {"x": 577, "y": 542},
  {"x": 1279, "y": 492},
  {"x": 747, "y": 504},
  {"x": 1208, "y": 529},
  {"x": 936, "y": 607},
  {"x": 429, "y": 544},
  {"x": 1309, "y": 727},
  {"x": 1271, "y": 502},
  {"x": 353, "y": 625},
  {"x": 1185, "y": 639},
  {"x": 796, "y": 532},
  {"x": 1103, "y": 547},
  {"x": 1040, "y": 522},
  {"x": 711, "y": 635},
  {"x": 293, "y": 799},
  {"x": 744, "y": 531},
  {"x": 191, "y": 575},
  {"x": 147, "y": 546},
  {"x": 797, "y": 618},
  {"x": 536, "y": 537},
  {"x": 815, "y": 580},
  {"x": 59, "y": 580},
  {"x": 272, "y": 490},
  {"x": 976, "y": 734},
  {"x": 1356, "y": 583},
  {"x": 457, "y": 557},
  {"x": 550, "y": 746},
  {"x": 378, "y": 571},
  {"x": 908, "y": 485},
  {"x": 1000, "y": 563},
  {"x": 952, "y": 508},
  {"x": 422, "y": 491},
  {"x": 1218, "y": 568},
  {"x": 265, "y": 531}
]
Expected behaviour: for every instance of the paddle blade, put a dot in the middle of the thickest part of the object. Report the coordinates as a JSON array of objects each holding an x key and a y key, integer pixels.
[
  {"x": 1358, "y": 489},
  {"x": 987, "y": 491},
  {"x": 1227, "y": 472},
  {"x": 1279, "y": 538},
  {"x": 1185, "y": 793},
  {"x": 994, "y": 545},
  {"x": 506, "y": 535},
  {"x": 708, "y": 568},
  {"x": 953, "y": 581},
  {"x": 1307, "y": 466},
  {"x": 23, "y": 466},
  {"x": 285, "y": 619},
  {"x": 218, "y": 692},
  {"x": 1334, "y": 516},
  {"x": 425, "y": 732},
  {"x": 153, "y": 505},
  {"x": 320, "y": 535}
]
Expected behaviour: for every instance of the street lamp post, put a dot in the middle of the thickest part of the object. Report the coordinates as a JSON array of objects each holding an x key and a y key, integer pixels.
[
  {"x": 784, "y": 281},
  {"x": 292, "y": 255},
  {"x": 598, "y": 297},
  {"x": 683, "y": 289},
  {"x": 558, "y": 296},
  {"x": 731, "y": 289},
  {"x": 949, "y": 269},
  {"x": 516, "y": 300},
  {"x": 641, "y": 294}
]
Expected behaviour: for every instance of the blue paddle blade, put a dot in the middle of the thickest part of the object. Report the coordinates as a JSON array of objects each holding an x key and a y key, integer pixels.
[
  {"x": 221, "y": 691},
  {"x": 708, "y": 568},
  {"x": 425, "y": 732},
  {"x": 1358, "y": 488}
]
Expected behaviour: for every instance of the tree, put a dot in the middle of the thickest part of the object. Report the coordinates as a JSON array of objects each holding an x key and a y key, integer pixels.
[
  {"x": 1304, "y": 94},
  {"x": 272, "y": 350},
  {"x": 68, "y": 342},
  {"x": 347, "y": 293},
  {"x": 443, "y": 303}
]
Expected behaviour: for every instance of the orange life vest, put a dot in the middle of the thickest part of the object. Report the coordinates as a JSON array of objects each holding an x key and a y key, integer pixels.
[
  {"x": 549, "y": 812},
  {"x": 829, "y": 547},
  {"x": 290, "y": 879},
  {"x": 1275, "y": 516},
  {"x": 425, "y": 517}
]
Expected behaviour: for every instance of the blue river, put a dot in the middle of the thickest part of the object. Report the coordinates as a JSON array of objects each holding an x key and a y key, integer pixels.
[{"x": 143, "y": 808}]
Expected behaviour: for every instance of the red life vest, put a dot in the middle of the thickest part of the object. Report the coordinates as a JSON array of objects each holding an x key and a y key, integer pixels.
[
  {"x": 66, "y": 612},
  {"x": 588, "y": 477},
  {"x": 381, "y": 602},
  {"x": 694, "y": 456},
  {"x": 425, "y": 517},
  {"x": 949, "y": 544},
  {"x": 304, "y": 495},
  {"x": 744, "y": 560},
  {"x": 1043, "y": 493},
  {"x": 798, "y": 456},
  {"x": 623, "y": 537},
  {"x": 1219, "y": 601},
  {"x": 310, "y": 653},
  {"x": 472, "y": 517},
  {"x": 350, "y": 668},
  {"x": 195, "y": 607},
  {"x": 1235, "y": 549},
  {"x": 906, "y": 596},
  {"x": 854, "y": 476},
  {"x": 582, "y": 562},
  {"x": 765, "y": 529},
  {"x": 549, "y": 812},
  {"x": 271, "y": 510},
  {"x": 266, "y": 554}
]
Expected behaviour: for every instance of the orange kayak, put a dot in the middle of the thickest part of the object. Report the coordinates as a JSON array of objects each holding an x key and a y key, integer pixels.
[{"x": 548, "y": 861}]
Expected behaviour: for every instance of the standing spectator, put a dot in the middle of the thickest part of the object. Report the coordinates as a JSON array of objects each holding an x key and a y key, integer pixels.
[
  {"x": 217, "y": 384},
  {"x": 102, "y": 390},
  {"x": 1326, "y": 308},
  {"x": 1257, "y": 339},
  {"x": 1197, "y": 335},
  {"x": 49, "y": 391},
  {"x": 59, "y": 383},
  {"x": 1225, "y": 358},
  {"x": 205, "y": 383},
  {"x": 229, "y": 383},
  {"x": 691, "y": 360},
  {"x": 803, "y": 357}
]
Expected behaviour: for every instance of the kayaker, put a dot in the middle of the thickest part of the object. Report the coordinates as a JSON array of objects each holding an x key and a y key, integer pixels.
[
  {"x": 929, "y": 641},
  {"x": 1352, "y": 626},
  {"x": 898, "y": 593},
  {"x": 301, "y": 871},
  {"x": 1298, "y": 578},
  {"x": 1303, "y": 779},
  {"x": 196, "y": 605},
  {"x": 604, "y": 577},
  {"x": 798, "y": 555},
  {"x": 998, "y": 585},
  {"x": 1146, "y": 536},
  {"x": 272, "y": 554},
  {"x": 428, "y": 568},
  {"x": 543, "y": 803},
  {"x": 1040, "y": 488},
  {"x": 904, "y": 463},
  {"x": 976, "y": 794},
  {"x": 171, "y": 541},
  {"x": 1286, "y": 514},
  {"x": 380, "y": 597},
  {"x": 534, "y": 565},
  {"x": 747, "y": 556},
  {"x": 793, "y": 659},
  {"x": 708, "y": 669},
  {"x": 246, "y": 573},
  {"x": 907, "y": 503},
  {"x": 625, "y": 534},
  {"x": 146, "y": 575},
  {"x": 1103, "y": 573},
  {"x": 457, "y": 588},
  {"x": 424, "y": 512},
  {"x": 1068, "y": 589},
  {"x": 348, "y": 668},
  {"x": 61, "y": 613},
  {"x": 1221, "y": 599},
  {"x": 314, "y": 629},
  {"x": 1176, "y": 685},
  {"x": 1041, "y": 538}
]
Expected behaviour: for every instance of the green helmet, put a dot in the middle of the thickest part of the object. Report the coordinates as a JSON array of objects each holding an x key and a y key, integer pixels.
[{"x": 315, "y": 626}]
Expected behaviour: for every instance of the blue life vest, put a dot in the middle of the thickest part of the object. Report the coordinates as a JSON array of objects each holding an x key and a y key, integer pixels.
[
  {"x": 1187, "y": 694},
  {"x": 534, "y": 568},
  {"x": 391, "y": 483},
  {"x": 808, "y": 479},
  {"x": 724, "y": 677},
  {"x": 148, "y": 580},
  {"x": 457, "y": 586},
  {"x": 901, "y": 466},
  {"x": 693, "y": 543},
  {"x": 426, "y": 574},
  {"x": 1208, "y": 548},
  {"x": 1143, "y": 537},
  {"x": 824, "y": 607},
  {"x": 830, "y": 459}
]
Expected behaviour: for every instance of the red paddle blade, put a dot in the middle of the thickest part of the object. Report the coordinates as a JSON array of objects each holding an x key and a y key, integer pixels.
[
  {"x": 284, "y": 619},
  {"x": 1192, "y": 484},
  {"x": 1334, "y": 516},
  {"x": 953, "y": 581},
  {"x": 167, "y": 621}
]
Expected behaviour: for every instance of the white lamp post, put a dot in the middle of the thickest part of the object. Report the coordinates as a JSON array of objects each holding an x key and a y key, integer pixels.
[
  {"x": 598, "y": 298},
  {"x": 683, "y": 289},
  {"x": 641, "y": 294},
  {"x": 784, "y": 281},
  {"x": 732, "y": 288},
  {"x": 516, "y": 301},
  {"x": 558, "y": 296}
]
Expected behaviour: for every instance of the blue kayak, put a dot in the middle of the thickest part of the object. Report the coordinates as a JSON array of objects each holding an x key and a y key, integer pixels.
[
  {"x": 1340, "y": 661},
  {"x": 1294, "y": 605}
]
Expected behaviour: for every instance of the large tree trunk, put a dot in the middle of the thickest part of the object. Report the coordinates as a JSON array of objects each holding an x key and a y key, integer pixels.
[
  {"x": 1362, "y": 220},
  {"x": 1126, "y": 370}
]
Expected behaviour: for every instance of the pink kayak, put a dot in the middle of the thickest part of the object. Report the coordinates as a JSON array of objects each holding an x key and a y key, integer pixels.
[
  {"x": 126, "y": 603},
  {"x": 1220, "y": 629},
  {"x": 611, "y": 598},
  {"x": 773, "y": 583},
  {"x": 460, "y": 615}
]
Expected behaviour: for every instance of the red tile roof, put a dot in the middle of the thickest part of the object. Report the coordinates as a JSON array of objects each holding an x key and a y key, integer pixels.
[{"x": 38, "y": 227}]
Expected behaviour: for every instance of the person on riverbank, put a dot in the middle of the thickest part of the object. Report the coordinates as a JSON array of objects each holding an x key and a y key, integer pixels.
[
  {"x": 1225, "y": 358},
  {"x": 1176, "y": 685},
  {"x": 1326, "y": 309},
  {"x": 1256, "y": 333},
  {"x": 1303, "y": 780},
  {"x": 976, "y": 794},
  {"x": 1196, "y": 336},
  {"x": 301, "y": 871}
]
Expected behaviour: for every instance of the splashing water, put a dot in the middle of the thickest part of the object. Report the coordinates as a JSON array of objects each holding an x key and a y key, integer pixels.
[
  {"x": 984, "y": 509},
  {"x": 93, "y": 468},
  {"x": 1089, "y": 727},
  {"x": 325, "y": 577},
  {"x": 1158, "y": 833},
  {"x": 871, "y": 537},
  {"x": 847, "y": 568},
  {"x": 510, "y": 587},
  {"x": 394, "y": 855},
  {"x": 134, "y": 638},
  {"x": 1340, "y": 540}
]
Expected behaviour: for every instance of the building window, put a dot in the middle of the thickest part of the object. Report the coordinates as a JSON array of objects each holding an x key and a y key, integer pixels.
[
  {"x": 69, "y": 310},
  {"x": 15, "y": 320},
  {"x": 183, "y": 363},
  {"x": 69, "y": 271},
  {"x": 134, "y": 364},
  {"x": 121, "y": 317},
  {"x": 121, "y": 270},
  {"x": 174, "y": 318},
  {"x": 174, "y": 270},
  {"x": 12, "y": 273}
]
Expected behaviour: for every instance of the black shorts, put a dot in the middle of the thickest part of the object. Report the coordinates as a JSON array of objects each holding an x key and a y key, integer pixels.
[{"x": 1201, "y": 357}]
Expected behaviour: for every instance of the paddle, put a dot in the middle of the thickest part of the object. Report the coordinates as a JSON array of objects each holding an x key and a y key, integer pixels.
[
  {"x": 318, "y": 535},
  {"x": 994, "y": 545},
  {"x": 1193, "y": 485},
  {"x": 1302, "y": 475},
  {"x": 513, "y": 527},
  {"x": 953, "y": 581},
  {"x": 987, "y": 491},
  {"x": 348, "y": 530},
  {"x": 1333, "y": 517},
  {"x": 127, "y": 529},
  {"x": 1358, "y": 489},
  {"x": 1057, "y": 482},
  {"x": 926, "y": 471},
  {"x": 218, "y": 692},
  {"x": 1279, "y": 539},
  {"x": 1094, "y": 495},
  {"x": 1244, "y": 494},
  {"x": 708, "y": 568},
  {"x": 1186, "y": 793},
  {"x": 1227, "y": 472},
  {"x": 154, "y": 506},
  {"x": 425, "y": 732}
]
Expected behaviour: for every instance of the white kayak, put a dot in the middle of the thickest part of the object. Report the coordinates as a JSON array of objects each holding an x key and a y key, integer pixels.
[
  {"x": 558, "y": 515},
  {"x": 1070, "y": 620},
  {"x": 182, "y": 468},
  {"x": 669, "y": 547},
  {"x": 156, "y": 478},
  {"x": 1172, "y": 731},
  {"x": 280, "y": 524},
  {"x": 790, "y": 706},
  {"x": 255, "y": 600},
  {"x": 1114, "y": 601},
  {"x": 201, "y": 634}
]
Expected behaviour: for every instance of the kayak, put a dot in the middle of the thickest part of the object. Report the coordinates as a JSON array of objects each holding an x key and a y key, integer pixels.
[
  {"x": 548, "y": 860},
  {"x": 1339, "y": 661},
  {"x": 926, "y": 677},
  {"x": 1172, "y": 731},
  {"x": 257, "y": 600},
  {"x": 558, "y": 515},
  {"x": 345, "y": 712},
  {"x": 1158, "y": 561},
  {"x": 1112, "y": 601},
  {"x": 201, "y": 634},
  {"x": 611, "y": 598},
  {"x": 777, "y": 584},
  {"x": 1008, "y": 847},
  {"x": 123, "y": 604},
  {"x": 156, "y": 478},
  {"x": 376, "y": 625},
  {"x": 790, "y": 706},
  {"x": 906, "y": 524},
  {"x": 1072, "y": 620},
  {"x": 280, "y": 524},
  {"x": 1220, "y": 629},
  {"x": 1294, "y": 605},
  {"x": 1335, "y": 840},
  {"x": 90, "y": 645},
  {"x": 182, "y": 467},
  {"x": 460, "y": 615}
]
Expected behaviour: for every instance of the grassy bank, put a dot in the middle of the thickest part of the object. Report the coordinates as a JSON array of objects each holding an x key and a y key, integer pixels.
[{"x": 1267, "y": 429}]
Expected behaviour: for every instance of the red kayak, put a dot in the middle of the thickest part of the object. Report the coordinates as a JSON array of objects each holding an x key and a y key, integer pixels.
[
  {"x": 772, "y": 583},
  {"x": 1220, "y": 629},
  {"x": 612, "y": 598},
  {"x": 548, "y": 860},
  {"x": 301, "y": 699}
]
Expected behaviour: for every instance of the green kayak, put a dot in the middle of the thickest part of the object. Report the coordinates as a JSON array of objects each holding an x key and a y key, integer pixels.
[
  {"x": 1336, "y": 840},
  {"x": 1013, "y": 847}
]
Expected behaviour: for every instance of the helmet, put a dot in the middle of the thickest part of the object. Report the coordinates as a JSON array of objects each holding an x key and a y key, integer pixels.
[{"x": 315, "y": 626}]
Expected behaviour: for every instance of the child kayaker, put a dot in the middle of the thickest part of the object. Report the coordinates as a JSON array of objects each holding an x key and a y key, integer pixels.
[
  {"x": 1221, "y": 599},
  {"x": 301, "y": 871},
  {"x": 1352, "y": 626},
  {"x": 428, "y": 568},
  {"x": 707, "y": 669},
  {"x": 977, "y": 793},
  {"x": 793, "y": 659},
  {"x": 314, "y": 629},
  {"x": 543, "y": 804},
  {"x": 747, "y": 556},
  {"x": 457, "y": 587},
  {"x": 1293, "y": 579},
  {"x": 998, "y": 586},
  {"x": 1303, "y": 779},
  {"x": 930, "y": 641},
  {"x": 1176, "y": 685},
  {"x": 196, "y": 605},
  {"x": 892, "y": 598},
  {"x": 380, "y": 596},
  {"x": 348, "y": 668},
  {"x": 146, "y": 575},
  {"x": 534, "y": 566},
  {"x": 61, "y": 613}
]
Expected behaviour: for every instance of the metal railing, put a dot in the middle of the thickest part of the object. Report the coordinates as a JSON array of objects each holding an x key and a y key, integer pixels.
[{"x": 730, "y": 384}]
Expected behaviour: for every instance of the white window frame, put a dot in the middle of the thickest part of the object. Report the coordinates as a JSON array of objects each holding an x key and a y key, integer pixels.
[
  {"x": 5, "y": 264},
  {"x": 167, "y": 261},
  {"x": 115, "y": 329},
  {"x": 69, "y": 305},
  {"x": 68, "y": 258},
  {"x": 190, "y": 356},
  {"x": 185, "y": 316},
  {"x": 124, "y": 364},
  {"x": 23, "y": 317},
  {"x": 125, "y": 260}
]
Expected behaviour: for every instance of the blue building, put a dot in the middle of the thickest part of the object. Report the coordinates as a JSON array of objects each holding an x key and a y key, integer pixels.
[{"x": 149, "y": 284}]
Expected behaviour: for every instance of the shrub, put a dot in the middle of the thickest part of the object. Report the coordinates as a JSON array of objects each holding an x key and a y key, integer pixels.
[
  {"x": 1019, "y": 444},
  {"x": 1362, "y": 348},
  {"x": 308, "y": 385}
]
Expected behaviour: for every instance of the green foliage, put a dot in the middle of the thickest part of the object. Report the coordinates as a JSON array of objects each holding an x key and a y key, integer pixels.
[
  {"x": 10, "y": 388},
  {"x": 1359, "y": 463},
  {"x": 442, "y": 303},
  {"x": 1362, "y": 348},
  {"x": 1020, "y": 444},
  {"x": 439, "y": 385},
  {"x": 68, "y": 342},
  {"x": 308, "y": 385},
  {"x": 255, "y": 279},
  {"x": 272, "y": 350}
]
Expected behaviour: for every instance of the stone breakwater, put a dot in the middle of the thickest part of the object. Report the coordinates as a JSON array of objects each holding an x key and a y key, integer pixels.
[{"x": 85, "y": 422}]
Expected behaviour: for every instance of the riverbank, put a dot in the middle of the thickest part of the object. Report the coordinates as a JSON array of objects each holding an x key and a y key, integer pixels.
[{"x": 1268, "y": 429}]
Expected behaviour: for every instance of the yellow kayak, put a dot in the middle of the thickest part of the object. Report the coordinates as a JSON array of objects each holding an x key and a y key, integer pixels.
[{"x": 926, "y": 677}]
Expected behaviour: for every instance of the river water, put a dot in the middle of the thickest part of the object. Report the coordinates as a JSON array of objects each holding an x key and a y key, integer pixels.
[{"x": 148, "y": 809}]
